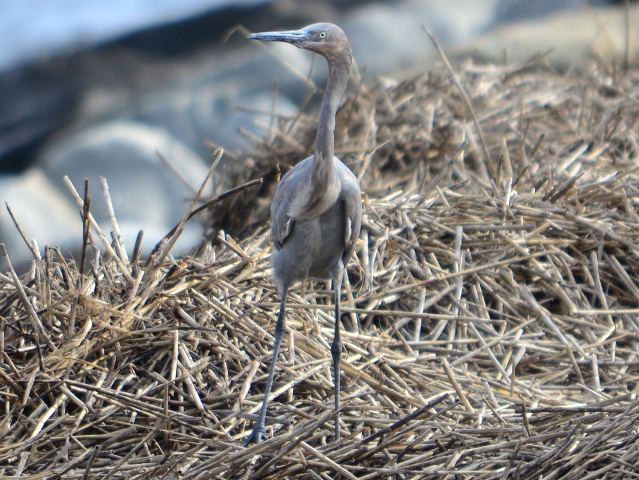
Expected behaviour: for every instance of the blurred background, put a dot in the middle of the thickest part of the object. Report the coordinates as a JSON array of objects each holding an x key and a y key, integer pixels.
[{"x": 139, "y": 91}]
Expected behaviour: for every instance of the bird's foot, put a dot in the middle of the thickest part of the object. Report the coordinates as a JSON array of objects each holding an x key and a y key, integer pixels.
[{"x": 258, "y": 435}]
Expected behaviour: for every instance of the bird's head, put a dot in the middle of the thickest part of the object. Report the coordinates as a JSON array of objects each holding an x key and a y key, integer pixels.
[{"x": 326, "y": 39}]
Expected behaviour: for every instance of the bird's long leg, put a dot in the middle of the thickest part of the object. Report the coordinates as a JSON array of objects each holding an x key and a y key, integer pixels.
[
  {"x": 258, "y": 434},
  {"x": 336, "y": 346}
]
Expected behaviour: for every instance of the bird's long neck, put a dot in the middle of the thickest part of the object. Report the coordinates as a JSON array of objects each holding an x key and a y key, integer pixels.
[
  {"x": 338, "y": 74},
  {"x": 323, "y": 188}
]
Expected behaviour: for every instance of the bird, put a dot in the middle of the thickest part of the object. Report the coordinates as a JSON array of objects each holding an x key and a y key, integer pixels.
[{"x": 316, "y": 213}]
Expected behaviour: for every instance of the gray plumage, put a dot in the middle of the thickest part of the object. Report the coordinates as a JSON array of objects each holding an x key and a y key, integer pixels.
[{"x": 317, "y": 210}]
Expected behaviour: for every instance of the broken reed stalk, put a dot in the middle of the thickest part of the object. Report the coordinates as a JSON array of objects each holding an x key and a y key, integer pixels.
[
  {"x": 29, "y": 243},
  {"x": 86, "y": 209},
  {"x": 496, "y": 328},
  {"x": 165, "y": 245}
]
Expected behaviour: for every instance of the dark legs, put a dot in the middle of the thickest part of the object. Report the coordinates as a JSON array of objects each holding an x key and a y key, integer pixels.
[
  {"x": 258, "y": 434},
  {"x": 336, "y": 347}
]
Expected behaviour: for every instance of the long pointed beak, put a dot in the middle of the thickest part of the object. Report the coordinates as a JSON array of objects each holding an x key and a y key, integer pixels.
[{"x": 289, "y": 36}]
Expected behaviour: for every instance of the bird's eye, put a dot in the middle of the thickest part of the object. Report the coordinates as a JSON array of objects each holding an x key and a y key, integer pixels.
[{"x": 322, "y": 35}]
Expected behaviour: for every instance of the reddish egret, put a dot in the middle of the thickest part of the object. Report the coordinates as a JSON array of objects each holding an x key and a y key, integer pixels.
[{"x": 317, "y": 210}]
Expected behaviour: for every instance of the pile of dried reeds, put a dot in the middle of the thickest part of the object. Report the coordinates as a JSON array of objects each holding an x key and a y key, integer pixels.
[{"x": 492, "y": 312}]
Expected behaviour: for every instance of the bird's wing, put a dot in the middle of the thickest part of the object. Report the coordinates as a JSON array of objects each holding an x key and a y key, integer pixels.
[
  {"x": 353, "y": 216},
  {"x": 286, "y": 193},
  {"x": 281, "y": 221},
  {"x": 281, "y": 224}
]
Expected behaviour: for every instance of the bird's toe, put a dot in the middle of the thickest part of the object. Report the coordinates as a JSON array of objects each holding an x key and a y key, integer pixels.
[{"x": 258, "y": 435}]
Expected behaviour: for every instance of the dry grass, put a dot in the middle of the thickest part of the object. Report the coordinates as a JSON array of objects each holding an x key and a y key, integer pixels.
[{"x": 492, "y": 328}]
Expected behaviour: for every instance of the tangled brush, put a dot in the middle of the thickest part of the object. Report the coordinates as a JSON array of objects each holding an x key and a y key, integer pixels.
[{"x": 491, "y": 311}]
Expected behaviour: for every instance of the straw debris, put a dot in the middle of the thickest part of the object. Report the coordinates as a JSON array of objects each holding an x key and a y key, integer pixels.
[{"x": 491, "y": 312}]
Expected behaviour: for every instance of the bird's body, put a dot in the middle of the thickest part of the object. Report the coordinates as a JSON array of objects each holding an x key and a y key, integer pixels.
[
  {"x": 315, "y": 247},
  {"x": 317, "y": 209}
]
